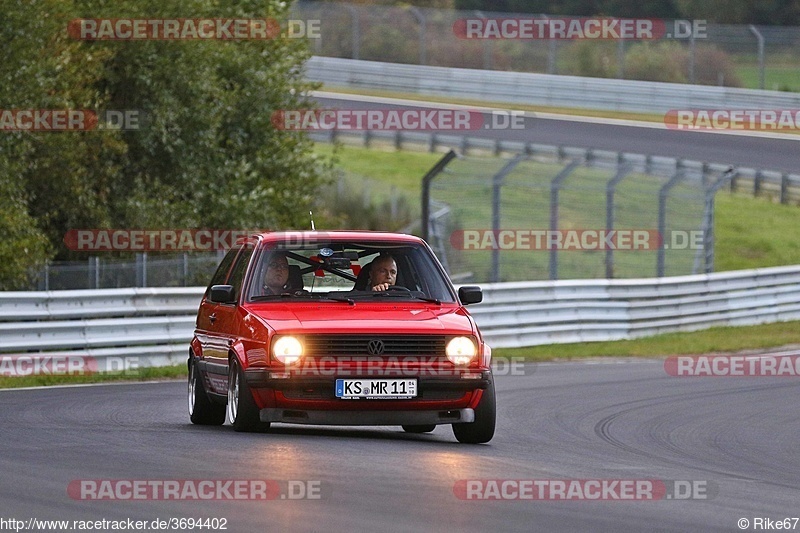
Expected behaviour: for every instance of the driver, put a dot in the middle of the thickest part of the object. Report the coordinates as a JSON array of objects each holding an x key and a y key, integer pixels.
[
  {"x": 383, "y": 272},
  {"x": 277, "y": 274}
]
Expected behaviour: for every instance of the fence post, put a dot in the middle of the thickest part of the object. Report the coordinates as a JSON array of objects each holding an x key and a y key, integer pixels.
[
  {"x": 662, "y": 215},
  {"x": 497, "y": 184},
  {"x": 555, "y": 185},
  {"x": 426, "y": 190},
  {"x": 355, "y": 31},
  {"x": 487, "y": 50},
  {"x": 708, "y": 219},
  {"x": 423, "y": 56},
  {"x": 760, "y": 39},
  {"x": 623, "y": 169}
]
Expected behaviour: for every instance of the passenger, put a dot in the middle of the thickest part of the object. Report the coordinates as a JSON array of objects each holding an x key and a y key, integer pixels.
[
  {"x": 383, "y": 272},
  {"x": 276, "y": 278}
]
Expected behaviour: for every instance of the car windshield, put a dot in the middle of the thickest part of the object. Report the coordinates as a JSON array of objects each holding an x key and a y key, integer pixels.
[{"x": 347, "y": 272}]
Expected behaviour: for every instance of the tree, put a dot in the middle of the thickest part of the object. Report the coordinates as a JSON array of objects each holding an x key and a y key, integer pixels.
[{"x": 206, "y": 153}]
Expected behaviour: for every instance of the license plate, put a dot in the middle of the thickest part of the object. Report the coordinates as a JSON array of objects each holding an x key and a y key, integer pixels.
[{"x": 376, "y": 389}]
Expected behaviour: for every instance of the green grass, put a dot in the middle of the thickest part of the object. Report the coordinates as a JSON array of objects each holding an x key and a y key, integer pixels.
[
  {"x": 750, "y": 232},
  {"x": 775, "y": 78},
  {"x": 713, "y": 340},
  {"x": 755, "y": 232},
  {"x": 141, "y": 374}
]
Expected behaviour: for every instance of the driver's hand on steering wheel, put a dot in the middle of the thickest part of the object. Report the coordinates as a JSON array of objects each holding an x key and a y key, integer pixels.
[{"x": 381, "y": 287}]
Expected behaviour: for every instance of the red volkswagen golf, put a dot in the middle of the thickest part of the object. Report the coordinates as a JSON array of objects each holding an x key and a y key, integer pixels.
[{"x": 344, "y": 328}]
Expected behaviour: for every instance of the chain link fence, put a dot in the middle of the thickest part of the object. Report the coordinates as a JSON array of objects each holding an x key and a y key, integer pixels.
[
  {"x": 98, "y": 272},
  {"x": 732, "y": 55},
  {"x": 572, "y": 214}
]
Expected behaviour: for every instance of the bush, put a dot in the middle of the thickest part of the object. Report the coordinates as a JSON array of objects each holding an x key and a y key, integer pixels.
[
  {"x": 663, "y": 61},
  {"x": 711, "y": 64},
  {"x": 597, "y": 59}
]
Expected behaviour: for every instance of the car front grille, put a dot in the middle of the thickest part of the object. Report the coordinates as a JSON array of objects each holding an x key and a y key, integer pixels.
[{"x": 374, "y": 345}]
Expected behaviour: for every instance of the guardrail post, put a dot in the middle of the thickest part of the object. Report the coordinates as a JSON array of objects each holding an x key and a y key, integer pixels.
[
  {"x": 785, "y": 188},
  {"x": 141, "y": 269},
  {"x": 555, "y": 185},
  {"x": 426, "y": 190},
  {"x": 757, "y": 183},
  {"x": 662, "y": 215},
  {"x": 623, "y": 169},
  {"x": 497, "y": 184}
]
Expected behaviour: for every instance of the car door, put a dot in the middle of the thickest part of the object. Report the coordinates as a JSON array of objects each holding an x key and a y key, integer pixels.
[{"x": 224, "y": 329}]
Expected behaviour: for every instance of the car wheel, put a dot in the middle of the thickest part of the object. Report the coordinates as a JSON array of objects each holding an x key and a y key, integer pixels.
[
  {"x": 242, "y": 409},
  {"x": 202, "y": 410},
  {"x": 482, "y": 429},
  {"x": 421, "y": 428}
]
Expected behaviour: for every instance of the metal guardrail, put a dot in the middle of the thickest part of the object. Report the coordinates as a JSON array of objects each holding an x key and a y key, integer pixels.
[
  {"x": 540, "y": 89},
  {"x": 155, "y": 325}
]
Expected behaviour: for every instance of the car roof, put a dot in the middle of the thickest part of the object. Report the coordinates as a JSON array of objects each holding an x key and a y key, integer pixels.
[{"x": 336, "y": 235}]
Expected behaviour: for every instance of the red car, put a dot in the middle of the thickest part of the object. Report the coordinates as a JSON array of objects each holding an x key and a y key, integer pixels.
[{"x": 345, "y": 328}]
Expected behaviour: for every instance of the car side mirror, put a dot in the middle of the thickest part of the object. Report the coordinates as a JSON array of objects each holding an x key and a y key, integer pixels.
[
  {"x": 470, "y": 295},
  {"x": 222, "y": 294}
]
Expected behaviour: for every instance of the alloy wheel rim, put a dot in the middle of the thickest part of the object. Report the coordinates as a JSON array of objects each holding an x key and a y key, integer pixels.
[
  {"x": 191, "y": 391},
  {"x": 233, "y": 396}
]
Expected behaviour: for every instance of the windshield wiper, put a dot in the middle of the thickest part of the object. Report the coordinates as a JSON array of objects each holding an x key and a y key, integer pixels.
[
  {"x": 283, "y": 295},
  {"x": 394, "y": 294},
  {"x": 346, "y": 300}
]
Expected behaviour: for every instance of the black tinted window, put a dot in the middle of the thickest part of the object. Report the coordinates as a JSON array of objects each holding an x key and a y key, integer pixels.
[
  {"x": 239, "y": 269},
  {"x": 225, "y": 265}
]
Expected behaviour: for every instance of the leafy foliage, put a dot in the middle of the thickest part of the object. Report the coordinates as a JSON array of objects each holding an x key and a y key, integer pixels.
[{"x": 206, "y": 153}]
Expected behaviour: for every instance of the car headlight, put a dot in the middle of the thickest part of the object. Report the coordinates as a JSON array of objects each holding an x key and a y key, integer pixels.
[
  {"x": 287, "y": 349},
  {"x": 460, "y": 350}
]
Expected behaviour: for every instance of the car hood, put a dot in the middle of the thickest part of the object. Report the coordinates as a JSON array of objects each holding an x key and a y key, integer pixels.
[{"x": 363, "y": 318}]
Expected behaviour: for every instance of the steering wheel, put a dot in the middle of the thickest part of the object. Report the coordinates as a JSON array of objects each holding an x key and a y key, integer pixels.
[{"x": 399, "y": 288}]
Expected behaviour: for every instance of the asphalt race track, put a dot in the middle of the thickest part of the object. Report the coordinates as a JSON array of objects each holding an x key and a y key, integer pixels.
[
  {"x": 737, "y": 438},
  {"x": 759, "y": 152}
]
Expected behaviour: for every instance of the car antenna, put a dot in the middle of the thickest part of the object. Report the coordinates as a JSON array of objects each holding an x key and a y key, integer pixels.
[{"x": 312, "y": 221}]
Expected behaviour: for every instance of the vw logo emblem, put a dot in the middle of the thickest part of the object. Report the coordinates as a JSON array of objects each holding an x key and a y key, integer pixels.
[{"x": 375, "y": 347}]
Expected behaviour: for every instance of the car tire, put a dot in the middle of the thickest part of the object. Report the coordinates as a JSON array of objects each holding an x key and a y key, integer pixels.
[
  {"x": 242, "y": 411},
  {"x": 419, "y": 428},
  {"x": 202, "y": 410},
  {"x": 482, "y": 429}
]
